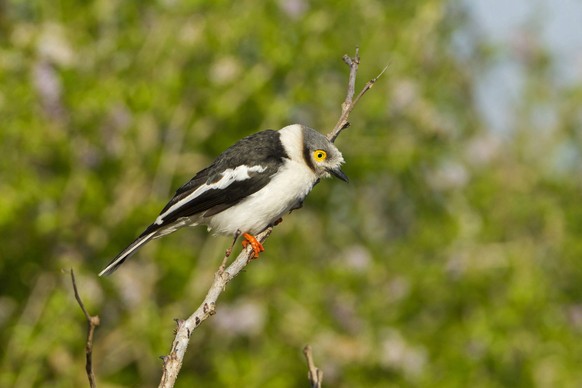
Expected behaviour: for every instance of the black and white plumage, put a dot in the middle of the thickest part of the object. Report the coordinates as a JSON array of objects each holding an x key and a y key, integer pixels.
[{"x": 248, "y": 187}]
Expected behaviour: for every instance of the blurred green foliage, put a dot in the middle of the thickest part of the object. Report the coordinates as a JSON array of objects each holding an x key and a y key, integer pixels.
[{"x": 451, "y": 259}]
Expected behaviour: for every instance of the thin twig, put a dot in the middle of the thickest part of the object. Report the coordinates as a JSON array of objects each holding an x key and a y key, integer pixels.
[
  {"x": 367, "y": 87},
  {"x": 92, "y": 323},
  {"x": 228, "y": 252},
  {"x": 173, "y": 361},
  {"x": 314, "y": 374},
  {"x": 342, "y": 122},
  {"x": 349, "y": 103}
]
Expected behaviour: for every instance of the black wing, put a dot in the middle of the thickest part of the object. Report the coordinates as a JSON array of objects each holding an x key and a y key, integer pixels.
[{"x": 261, "y": 149}]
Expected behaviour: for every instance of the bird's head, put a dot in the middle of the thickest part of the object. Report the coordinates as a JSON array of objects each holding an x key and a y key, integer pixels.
[
  {"x": 307, "y": 146},
  {"x": 321, "y": 155}
]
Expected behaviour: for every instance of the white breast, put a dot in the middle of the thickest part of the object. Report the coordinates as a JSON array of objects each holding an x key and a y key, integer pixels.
[{"x": 287, "y": 188}]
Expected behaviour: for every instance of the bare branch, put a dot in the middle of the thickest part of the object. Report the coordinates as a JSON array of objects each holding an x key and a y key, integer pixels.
[
  {"x": 92, "y": 323},
  {"x": 315, "y": 375},
  {"x": 173, "y": 361},
  {"x": 349, "y": 103}
]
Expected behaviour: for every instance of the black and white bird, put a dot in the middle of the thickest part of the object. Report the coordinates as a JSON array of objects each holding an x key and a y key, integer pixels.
[{"x": 248, "y": 188}]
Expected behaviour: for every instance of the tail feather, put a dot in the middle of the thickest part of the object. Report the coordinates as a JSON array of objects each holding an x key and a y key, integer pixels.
[{"x": 127, "y": 252}]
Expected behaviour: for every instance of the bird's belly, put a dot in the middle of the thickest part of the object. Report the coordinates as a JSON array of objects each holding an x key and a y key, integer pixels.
[{"x": 253, "y": 214}]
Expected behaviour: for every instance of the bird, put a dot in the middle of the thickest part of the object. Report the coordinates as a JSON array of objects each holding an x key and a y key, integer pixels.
[{"x": 247, "y": 188}]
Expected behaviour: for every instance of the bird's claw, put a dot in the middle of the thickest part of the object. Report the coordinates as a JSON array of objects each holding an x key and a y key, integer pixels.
[{"x": 249, "y": 239}]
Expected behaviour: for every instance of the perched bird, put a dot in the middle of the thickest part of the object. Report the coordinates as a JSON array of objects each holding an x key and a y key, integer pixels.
[{"x": 248, "y": 188}]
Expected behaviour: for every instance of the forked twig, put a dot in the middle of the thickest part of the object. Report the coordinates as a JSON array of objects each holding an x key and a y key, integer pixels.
[
  {"x": 92, "y": 323},
  {"x": 349, "y": 103}
]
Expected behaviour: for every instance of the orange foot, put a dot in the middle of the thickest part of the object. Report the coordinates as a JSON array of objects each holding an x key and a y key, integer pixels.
[{"x": 257, "y": 246}]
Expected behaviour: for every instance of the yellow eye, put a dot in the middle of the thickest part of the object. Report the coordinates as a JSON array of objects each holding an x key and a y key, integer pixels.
[{"x": 319, "y": 155}]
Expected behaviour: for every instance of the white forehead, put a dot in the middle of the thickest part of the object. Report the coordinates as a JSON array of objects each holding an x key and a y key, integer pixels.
[
  {"x": 292, "y": 139},
  {"x": 295, "y": 136}
]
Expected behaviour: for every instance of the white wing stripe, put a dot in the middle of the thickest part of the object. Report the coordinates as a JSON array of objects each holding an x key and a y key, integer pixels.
[{"x": 228, "y": 176}]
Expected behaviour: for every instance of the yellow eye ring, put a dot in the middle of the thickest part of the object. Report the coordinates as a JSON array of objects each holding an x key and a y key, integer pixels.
[{"x": 319, "y": 155}]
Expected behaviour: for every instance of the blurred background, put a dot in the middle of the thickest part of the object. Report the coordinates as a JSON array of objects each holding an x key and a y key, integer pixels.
[{"x": 451, "y": 259}]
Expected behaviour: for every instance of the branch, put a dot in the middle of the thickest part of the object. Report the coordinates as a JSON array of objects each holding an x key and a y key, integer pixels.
[
  {"x": 349, "y": 103},
  {"x": 173, "y": 361},
  {"x": 92, "y": 323},
  {"x": 315, "y": 375}
]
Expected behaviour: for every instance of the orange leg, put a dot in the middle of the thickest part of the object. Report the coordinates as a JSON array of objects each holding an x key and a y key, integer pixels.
[{"x": 257, "y": 246}]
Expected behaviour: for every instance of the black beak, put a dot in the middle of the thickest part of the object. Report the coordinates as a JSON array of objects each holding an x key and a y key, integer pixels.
[{"x": 338, "y": 173}]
